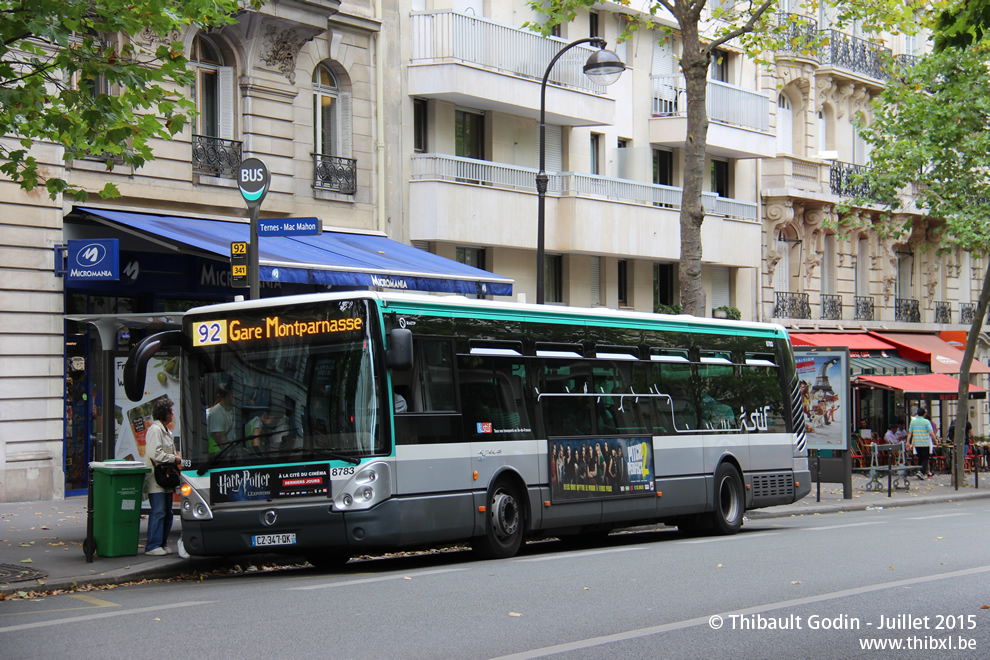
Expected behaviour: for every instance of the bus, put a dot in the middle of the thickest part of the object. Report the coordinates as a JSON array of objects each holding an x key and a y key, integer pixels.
[{"x": 330, "y": 425}]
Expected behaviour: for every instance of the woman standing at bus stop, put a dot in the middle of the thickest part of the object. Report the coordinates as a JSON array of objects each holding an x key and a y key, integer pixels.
[{"x": 159, "y": 448}]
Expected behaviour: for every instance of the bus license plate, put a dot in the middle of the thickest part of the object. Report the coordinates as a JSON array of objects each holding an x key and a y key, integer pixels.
[{"x": 273, "y": 539}]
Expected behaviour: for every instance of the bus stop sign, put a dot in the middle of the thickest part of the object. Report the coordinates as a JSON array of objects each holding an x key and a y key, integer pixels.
[{"x": 253, "y": 179}]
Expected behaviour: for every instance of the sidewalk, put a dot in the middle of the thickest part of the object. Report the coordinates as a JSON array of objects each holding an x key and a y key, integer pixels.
[{"x": 42, "y": 541}]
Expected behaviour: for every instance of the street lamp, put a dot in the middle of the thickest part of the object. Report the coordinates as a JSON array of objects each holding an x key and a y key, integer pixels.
[{"x": 603, "y": 67}]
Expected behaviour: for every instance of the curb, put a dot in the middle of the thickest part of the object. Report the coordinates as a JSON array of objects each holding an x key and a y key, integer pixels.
[{"x": 851, "y": 505}]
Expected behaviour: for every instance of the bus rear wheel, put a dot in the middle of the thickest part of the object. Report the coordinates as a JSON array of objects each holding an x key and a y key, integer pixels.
[
  {"x": 506, "y": 523},
  {"x": 730, "y": 503}
]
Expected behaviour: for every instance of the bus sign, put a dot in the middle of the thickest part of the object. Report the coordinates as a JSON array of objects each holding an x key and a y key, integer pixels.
[
  {"x": 253, "y": 179},
  {"x": 290, "y": 227},
  {"x": 239, "y": 264}
]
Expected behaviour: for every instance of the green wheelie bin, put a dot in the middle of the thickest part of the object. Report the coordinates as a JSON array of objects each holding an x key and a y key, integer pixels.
[{"x": 118, "y": 488}]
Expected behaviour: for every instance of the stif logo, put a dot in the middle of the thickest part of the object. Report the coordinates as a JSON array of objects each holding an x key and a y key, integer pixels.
[{"x": 91, "y": 255}]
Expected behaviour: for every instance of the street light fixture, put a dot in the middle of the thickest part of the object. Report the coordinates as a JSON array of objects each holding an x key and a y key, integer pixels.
[{"x": 603, "y": 68}]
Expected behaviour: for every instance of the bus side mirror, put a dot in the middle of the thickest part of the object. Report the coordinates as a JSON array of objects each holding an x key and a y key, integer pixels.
[
  {"x": 399, "y": 355},
  {"x": 136, "y": 367}
]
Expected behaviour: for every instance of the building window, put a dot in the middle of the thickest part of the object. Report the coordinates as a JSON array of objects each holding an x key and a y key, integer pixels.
[
  {"x": 828, "y": 265},
  {"x": 622, "y": 280},
  {"x": 664, "y": 284},
  {"x": 822, "y": 133},
  {"x": 719, "y": 70},
  {"x": 469, "y": 134},
  {"x": 419, "y": 125},
  {"x": 553, "y": 278},
  {"x": 621, "y": 143},
  {"x": 474, "y": 257},
  {"x": 555, "y": 31},
  {"x": 213, "y": 90},
  {"x": 596, "y": 153},
  {"x": 593, "y": 30},
  {"x": 326, "y": 120},
  {"x": 862, "y": 267},
  {"x": 720, "y": 177},
  {"x": 905, "y": 275},
  {"x": 785, "y": 122},
  {"x": 663, "y": 167}
]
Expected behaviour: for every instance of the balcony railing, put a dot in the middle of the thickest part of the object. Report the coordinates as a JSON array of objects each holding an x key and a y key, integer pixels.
[
  {"x": 791, "y": 305},
  {"x": 907, "y": 310},
  {"x": 943, "y": 312},
  {"x": 446, "y": 36},
  {"x": 335, "y": 173},
  {"x": 840, "y": 180},
  {"x": 967, "y": 313},
  {"x": 864, "y": 308},
  {"x": 513, "y": 177},
  {"x": 801, "y": 33},
  {"x": 726, "y": 104},
  {"x": 855, "y": 55},
  {"x": 215, "y": 156},
  {"x": 831, "y": 307}
]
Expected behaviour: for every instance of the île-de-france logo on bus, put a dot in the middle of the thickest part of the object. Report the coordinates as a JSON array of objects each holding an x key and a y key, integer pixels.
[{"x": 93, "y": 259}]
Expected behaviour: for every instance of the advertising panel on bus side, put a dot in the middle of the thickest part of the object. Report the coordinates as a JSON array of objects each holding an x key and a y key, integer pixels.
[{"x": 594, "y": 468}]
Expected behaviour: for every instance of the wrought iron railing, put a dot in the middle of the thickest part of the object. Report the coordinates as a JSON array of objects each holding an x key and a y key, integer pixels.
[
  {"x": 726, "y": 104},
  {"x": 904, "y": 61},
  {"x": 864, "y": 308},
  {"x": 967, "y": 313},
  {"x": 840, "y": 177},
  {"x": 801, "y": 33},
  {"x": 335, "y": 173},
  {"x": 791, "y": 305},
  {"x": 831, "y": 307},
  {"x": 445, "y": 36},
  {"x": 907, "y": 310},
  {"x": 943, "y": 312},
  {"x": 215, "y": 156},
  {"x": 855, "y": 55}
]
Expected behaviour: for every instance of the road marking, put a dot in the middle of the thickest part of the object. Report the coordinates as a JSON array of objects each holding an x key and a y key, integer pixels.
[
  {"x": 815, "y": 529},
  {"x": 585, "y": 553},
  {"x": 941, "y": 515},
  {"x": 758, "y": 609},
  {"x": 90, "y": 617},
  {"x": 384, "y": 578},
  {"x": 729, "y": 538},
  {"x": 94, "y": 601}
]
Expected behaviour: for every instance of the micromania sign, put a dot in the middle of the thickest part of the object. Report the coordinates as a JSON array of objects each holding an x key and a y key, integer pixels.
[{"x": 93, "y": 260}]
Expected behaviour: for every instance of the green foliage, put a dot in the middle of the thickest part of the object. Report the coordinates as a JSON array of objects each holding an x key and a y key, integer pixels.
[
  {"x": 71, "y": 77},
  {"x": 660, "y": 308},
  {"x": 730, "y": 312},
  {"x": 962, "y": 25},
  {"x": 929, "y": 135}
]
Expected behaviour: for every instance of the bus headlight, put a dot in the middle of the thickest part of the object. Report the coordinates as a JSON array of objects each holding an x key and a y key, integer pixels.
[
  {"x": 357, "y": 493},
  {"x": 193, "y": 505}
]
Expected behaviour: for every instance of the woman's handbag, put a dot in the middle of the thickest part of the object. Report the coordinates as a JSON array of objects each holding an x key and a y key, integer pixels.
[{"x": 167, "y": 475}]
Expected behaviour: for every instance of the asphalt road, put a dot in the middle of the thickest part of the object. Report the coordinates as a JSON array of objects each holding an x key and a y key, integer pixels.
[{"x": 801, "y": 587}]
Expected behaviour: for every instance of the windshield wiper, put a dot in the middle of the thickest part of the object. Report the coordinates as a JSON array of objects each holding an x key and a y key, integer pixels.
[{"x": 317, "y": 450}]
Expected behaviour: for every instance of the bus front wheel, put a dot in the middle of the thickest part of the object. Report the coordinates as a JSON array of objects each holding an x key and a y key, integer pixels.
[
  {"x": 505, "y": 523},
  {"x": 730, "y": 502}
]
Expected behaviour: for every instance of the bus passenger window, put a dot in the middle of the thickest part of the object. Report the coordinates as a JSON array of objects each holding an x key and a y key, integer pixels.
[{"x": 492, "y": 398}]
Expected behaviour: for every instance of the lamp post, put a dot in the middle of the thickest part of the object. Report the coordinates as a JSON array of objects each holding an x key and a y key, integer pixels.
[{"x": 603, "y": 67}]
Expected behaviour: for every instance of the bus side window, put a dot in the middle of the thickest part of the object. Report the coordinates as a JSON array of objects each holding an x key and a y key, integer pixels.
[
  {"x": 434, "y": 374},
  {"x": 492, "y": 398},
  {"x": 568, "y": 408}
]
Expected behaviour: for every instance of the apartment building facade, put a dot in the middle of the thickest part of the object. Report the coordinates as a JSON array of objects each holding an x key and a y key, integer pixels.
[{"x": 419, "y": 121}]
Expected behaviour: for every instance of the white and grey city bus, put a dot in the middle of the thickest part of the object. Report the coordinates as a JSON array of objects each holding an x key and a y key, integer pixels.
[{"x": 335, "y": 424}]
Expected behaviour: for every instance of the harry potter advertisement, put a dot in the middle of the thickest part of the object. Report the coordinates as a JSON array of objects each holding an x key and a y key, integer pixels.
[{"x": 601, "y": 467}]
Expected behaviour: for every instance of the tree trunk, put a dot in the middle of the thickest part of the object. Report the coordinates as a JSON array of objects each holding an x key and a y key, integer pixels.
[
  {"x": 962, "y": 410},
  {"x": 694, "y": 65}
]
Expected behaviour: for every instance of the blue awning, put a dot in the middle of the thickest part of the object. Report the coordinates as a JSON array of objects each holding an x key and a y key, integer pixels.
[{"x": 334, "y": 258}]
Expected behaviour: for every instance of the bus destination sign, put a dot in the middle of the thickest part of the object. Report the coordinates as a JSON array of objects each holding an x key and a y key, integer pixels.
[{"x": 223, "y": 331}]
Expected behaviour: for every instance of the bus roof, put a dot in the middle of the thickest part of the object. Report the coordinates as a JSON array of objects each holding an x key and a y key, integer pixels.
[{"x": 461, "y": 306}]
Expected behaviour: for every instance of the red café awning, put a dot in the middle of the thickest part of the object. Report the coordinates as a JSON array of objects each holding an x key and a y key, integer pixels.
[
  {"x": 856, "y": 341},
  {"x": 944, "y": 359},
  {"x": 937, "y": 385}
]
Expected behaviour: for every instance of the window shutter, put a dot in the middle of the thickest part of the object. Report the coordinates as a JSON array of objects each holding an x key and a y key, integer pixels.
[
  {"x": 346, "y": 124},
  {"x": 225, "y": 111},
  {"x": 596, "y": 281},
  {"x": 782, "y": 274},
  {"x": 721, "y": 294},
  {"x": 663, "y": 58},
  {"x": 554, "y": 148}
]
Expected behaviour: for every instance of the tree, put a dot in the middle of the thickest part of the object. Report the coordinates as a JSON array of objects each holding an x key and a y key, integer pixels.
[
  {"x": 94, "y": 78},
  {"x": 758, "y": 30},
  {"x": 929, "y": 134},
  {"x": 962, "y": 25}
]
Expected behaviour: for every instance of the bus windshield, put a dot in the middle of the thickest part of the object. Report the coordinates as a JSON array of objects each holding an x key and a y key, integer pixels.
[{"x": 283, "y": 384}]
